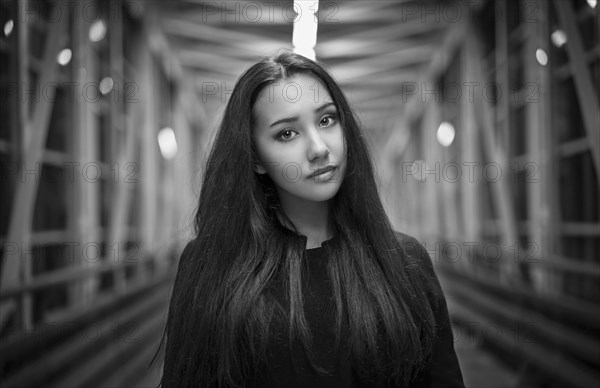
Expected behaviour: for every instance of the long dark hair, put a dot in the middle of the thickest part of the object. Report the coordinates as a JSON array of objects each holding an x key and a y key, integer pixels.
[{"x": 222, "y": 305}]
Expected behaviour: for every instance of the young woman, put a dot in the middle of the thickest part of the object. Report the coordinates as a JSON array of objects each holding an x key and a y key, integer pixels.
[{"x": 295, "y": 277}]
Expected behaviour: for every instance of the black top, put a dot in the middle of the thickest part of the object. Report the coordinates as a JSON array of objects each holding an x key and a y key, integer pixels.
[{"x": 319, "y": 306}]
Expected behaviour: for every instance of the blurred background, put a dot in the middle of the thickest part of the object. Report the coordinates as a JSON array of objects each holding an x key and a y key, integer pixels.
[{"x": 482, "y": 117}]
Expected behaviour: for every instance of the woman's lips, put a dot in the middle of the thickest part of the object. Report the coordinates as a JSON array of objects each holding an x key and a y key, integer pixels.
[{"x": 323, "y": 174}]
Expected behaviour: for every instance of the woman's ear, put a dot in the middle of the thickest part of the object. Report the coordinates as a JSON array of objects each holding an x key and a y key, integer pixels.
[{"x": 259, "y": 169}]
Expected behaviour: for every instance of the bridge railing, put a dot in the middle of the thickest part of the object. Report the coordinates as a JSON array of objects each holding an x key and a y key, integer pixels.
[
  {"x": 107, "y": 343},
  {"x": 550, "y": 339}
]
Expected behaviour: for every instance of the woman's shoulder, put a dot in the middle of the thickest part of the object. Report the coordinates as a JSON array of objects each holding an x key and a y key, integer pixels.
[
  {"x": 419, "y": 264},
  {"x": 190, "y": 253},
  {"x": 189, "y": 247},
  {"x": 408, "y": 240},
  {"x": 414, "y": 250}
]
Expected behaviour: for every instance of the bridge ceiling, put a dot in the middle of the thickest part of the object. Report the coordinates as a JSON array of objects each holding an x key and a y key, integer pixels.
[{"x": 371, "y": 47}]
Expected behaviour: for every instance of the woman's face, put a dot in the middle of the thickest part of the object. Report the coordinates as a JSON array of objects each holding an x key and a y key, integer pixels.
[{"x": 297, "y": 132}]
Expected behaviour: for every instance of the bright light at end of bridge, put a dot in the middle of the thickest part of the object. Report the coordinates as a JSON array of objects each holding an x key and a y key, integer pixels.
[{"x": 305, "y": 28}]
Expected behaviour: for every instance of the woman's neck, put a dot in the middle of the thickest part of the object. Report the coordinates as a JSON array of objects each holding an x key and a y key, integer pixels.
[{"x": 311, "y": 220}]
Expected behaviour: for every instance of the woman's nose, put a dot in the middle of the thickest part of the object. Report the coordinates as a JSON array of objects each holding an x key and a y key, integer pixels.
[{"x": 317, "y": 147}]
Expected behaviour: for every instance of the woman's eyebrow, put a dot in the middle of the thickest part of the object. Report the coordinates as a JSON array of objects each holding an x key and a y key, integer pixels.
[
  {"x": 295, "y": 118},
  {"x": 323, "y": 107}
]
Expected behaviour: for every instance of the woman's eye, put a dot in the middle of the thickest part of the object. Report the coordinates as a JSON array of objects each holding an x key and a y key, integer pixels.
[
  {"x": 286, "y": 134},
  {"x": 327, "y": 120}
]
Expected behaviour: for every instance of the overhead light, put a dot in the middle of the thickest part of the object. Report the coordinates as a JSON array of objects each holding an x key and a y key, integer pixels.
[
  {"x": 64, "y": 57},
  {"x": 167, "y": 143},
  {"x": 558, "y": 38},
  {"x": 304, "y": 37},
  {"x": 97, "y": 31},
  {"x": 106, "y": 85},
  {"x": 541, "y": 57},
  {"x": 8, "y": 27},
  {"x": 592, "y": 3},
  {"x": 446, "y": 134}
]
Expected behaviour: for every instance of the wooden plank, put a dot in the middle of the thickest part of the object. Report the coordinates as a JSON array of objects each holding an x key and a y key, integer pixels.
[
  {"x": 389, "y": 62},
  {"x": 76, "y": 273},
  {"x": 17, "y": 51},
  {"x": 184, "y": 200},
  {"x": 432, "y": 198},
  {"x": 393, "y": 176},
  {"x": 76, "y": 210},
  {"x": 209, "y": 61},
  {"x": 588, "y": 100},
  {"x": 102, "y": 362},
  {"x": 89, "y": 148},
  {"x": 5, "y": 148},
  {"x": 415, "y": 220},
  {"x": 124, "y": 146},
  {"x": 502, "y": 75},
  {"x": 328, "y": 50},
  {"x": 148, "y": 151},
  {"x": 21, "y": 344},
  {"x": 571, "y": 265},
  {"x": 587, "y": 229},
  {"x": 411, "y": 26},
  {"x": 558, "y": 263},
  {"x": 494, "y": 153},
  {"x": 573, "y": 374},
  {"x": 23, "y": 68},
  {"x": 479, "y": 366},
  {"x": 257, "y": 14},
  {"x": 518, "y": 34},
  {"x": 541, "y": 186},
  {"x": 511, "y": 314},
  {"x": 73, "y": 349},
  {"x": 572, "y": 147},
  {"x": 26, "y": 62},
  {"x": 136, "y": 373},
  {"x": 468, "y": 144},
  {"x": 236, "y": 40},
  {"x": 379, "y": 81},
  {"x": 572, "y": 310}
]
